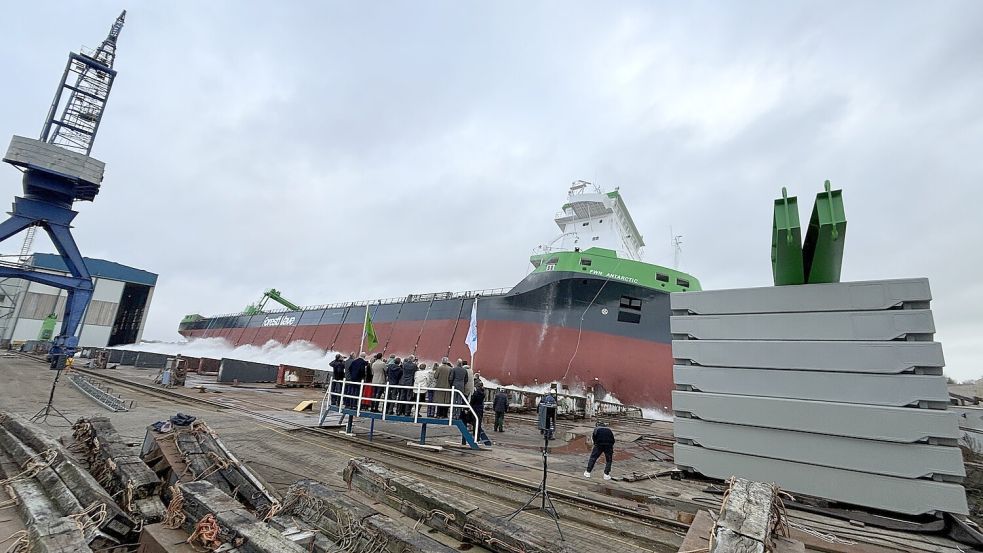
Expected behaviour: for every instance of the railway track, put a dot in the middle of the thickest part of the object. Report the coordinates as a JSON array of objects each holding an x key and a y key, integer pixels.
[{"x": 425, "y": 465}]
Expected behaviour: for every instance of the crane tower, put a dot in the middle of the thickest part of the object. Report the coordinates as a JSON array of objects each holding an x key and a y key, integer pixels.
[{"x": 59, "y": 171}]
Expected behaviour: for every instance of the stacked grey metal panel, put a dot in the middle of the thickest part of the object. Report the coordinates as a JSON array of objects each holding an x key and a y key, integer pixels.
[
  {"x": 830, "y": 390},
  {"x": 232, "y": 370}
]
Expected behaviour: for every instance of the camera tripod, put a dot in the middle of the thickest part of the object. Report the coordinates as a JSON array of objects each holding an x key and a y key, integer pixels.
[
  {"x": 49, "y": 409},
  {"x": 546, "y": 504}
]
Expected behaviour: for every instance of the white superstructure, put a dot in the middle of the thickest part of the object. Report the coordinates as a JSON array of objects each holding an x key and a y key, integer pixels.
[{"x": 592, "y": 218}]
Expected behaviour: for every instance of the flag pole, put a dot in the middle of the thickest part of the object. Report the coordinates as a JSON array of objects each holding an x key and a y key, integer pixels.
[
  {"x": 475, "y": 330},
  {"x": 365, "y": 323}
]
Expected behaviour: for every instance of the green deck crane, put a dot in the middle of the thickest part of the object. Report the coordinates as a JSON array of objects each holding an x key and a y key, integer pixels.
[{"x": 271, "y": 294}]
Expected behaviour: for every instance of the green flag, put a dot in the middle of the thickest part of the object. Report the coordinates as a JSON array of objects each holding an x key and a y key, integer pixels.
[{"x": 371, "y": 340}]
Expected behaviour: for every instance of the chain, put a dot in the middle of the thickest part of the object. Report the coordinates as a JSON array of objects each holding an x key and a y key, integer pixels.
[{"x": 207, "y": 532}]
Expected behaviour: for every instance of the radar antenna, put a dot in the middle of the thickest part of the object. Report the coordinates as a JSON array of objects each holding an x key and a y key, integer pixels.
[{"x": 677, "y": 247}]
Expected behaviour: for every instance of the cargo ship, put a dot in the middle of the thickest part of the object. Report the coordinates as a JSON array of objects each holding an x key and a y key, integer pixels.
[{"x": 589, "y": 313}]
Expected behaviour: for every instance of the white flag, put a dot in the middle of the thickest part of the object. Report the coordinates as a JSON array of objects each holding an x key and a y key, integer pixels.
[{"x": 472, "y": 338}]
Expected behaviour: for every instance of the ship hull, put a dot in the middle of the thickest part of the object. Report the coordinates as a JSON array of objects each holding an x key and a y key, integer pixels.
[{"x": 553, "y": 326}]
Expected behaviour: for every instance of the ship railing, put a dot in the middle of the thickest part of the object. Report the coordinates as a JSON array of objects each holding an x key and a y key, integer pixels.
[
  {"x": 342, "y": 393},
  {"x": 411, "y": 298}
]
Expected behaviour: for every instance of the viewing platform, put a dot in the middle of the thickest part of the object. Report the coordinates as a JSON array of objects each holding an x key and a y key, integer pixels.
[{"x": 358, "y": 399}]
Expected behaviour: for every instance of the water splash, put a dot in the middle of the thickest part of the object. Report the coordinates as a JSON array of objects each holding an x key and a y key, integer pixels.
[
  {"x": 306, "y": 354},
  {"x": 299, "y": 353}
]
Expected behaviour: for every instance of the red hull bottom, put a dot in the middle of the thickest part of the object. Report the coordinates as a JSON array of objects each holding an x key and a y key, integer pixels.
[{"x": 638, "y": 372}]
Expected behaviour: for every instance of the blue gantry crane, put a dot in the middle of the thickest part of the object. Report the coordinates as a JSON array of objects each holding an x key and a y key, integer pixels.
[{"x": 59, "y": 171}]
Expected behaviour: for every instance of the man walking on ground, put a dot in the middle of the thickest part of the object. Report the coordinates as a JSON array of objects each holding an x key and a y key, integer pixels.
[
  {"x": 477, "y": 402},
  {"x": 501, "y": 406},
  {"x": 603, "y": 439}
]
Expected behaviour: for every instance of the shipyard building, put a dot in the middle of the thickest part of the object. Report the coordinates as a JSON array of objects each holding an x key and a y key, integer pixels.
[{"x": 116, "y": 315}]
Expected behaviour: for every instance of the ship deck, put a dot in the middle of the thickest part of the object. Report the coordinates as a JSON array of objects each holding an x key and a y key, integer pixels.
[{"x": 638, "y": 510}]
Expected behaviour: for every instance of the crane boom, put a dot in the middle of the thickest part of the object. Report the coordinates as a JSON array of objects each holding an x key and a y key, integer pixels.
[
  {"x": 93, "y": 75},
  {"x": 271, "y": 294},
  {"x": 82, "y": 113}
]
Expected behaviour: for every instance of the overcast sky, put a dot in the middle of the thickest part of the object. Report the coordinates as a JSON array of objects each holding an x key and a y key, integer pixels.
[{"x": 351, "y": 150}]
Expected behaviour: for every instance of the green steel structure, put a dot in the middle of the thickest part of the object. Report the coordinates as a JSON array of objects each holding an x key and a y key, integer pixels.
[{"x": 820, "y": 258}]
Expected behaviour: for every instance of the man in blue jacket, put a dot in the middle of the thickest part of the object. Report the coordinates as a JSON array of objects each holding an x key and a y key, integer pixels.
[{"x": 603, "y": 439}]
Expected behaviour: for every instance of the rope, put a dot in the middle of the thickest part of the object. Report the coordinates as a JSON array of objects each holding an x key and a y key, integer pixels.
[
  {"x": 218, "y": 463},
  {"x": 94, "y": 516},
  {"x": 174, "y": 516},
  {"x": 275, "y": 508},
  {"x": 34, "y": 464},
  {"x": 828, "y": 538},
  {"x": 23, "y": 543},
  {"x": 484, "y": 536},
  {"x": 580, "y": 330}
]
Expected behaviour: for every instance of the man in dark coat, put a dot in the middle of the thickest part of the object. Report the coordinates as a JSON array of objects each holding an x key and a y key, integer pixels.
[
  {"x": 337, "y": 374},
  {"x": 348, "y": 365},
  {"x": 477, "y": 402},
  {"x": 603, "y": 439},
  {"x": 459, "y": 381},
  {"x": 356, "y": 373},
  {"x": 406, "y": 379},
  {"x": 501, "y": 406},
  {"x": 394, "y": 372}
]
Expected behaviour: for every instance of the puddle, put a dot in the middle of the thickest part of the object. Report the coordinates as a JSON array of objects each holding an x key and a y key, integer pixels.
[{"x": 622, "y": 494}]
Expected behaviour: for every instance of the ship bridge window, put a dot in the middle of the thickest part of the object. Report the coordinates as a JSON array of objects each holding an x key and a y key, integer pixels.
[
  {"x": 661, "y": 277},
  {"x": 552, "y": 261},
  {"x": 682, "y": 282},
  {"x": 536, "y": 263},
  {"x": 630, "y": 310},
  {"x": 585, "y": 224},
  {"x": 585, "y": 261}
]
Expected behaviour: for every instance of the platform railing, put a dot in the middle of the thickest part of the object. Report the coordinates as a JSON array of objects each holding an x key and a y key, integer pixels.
[{"x": 383, "y": 403}]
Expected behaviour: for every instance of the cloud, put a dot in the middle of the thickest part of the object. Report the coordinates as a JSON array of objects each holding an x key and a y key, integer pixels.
[{"x": 341, "y": 151}]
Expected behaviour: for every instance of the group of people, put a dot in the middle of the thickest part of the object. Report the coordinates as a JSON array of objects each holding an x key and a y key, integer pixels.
[{"x": 415, "y": 382}]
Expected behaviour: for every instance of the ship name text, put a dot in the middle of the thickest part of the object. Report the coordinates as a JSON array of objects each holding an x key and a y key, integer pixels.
[
  {"x": 282, "y": 320},
  {"x": 614, "y": 276}
]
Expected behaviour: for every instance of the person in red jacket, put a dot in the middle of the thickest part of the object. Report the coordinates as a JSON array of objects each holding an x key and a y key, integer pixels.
[{"x": 603, "y": 439}]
